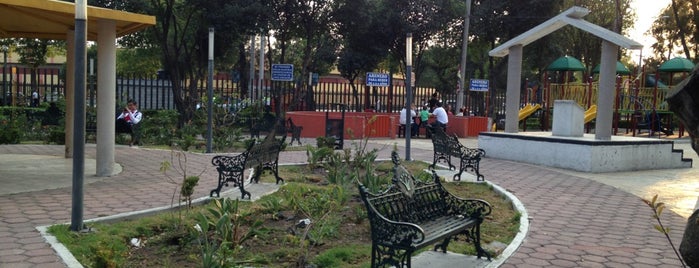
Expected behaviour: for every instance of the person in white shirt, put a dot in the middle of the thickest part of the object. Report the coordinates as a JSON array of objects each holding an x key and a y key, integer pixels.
[
  {"x": 441, "y": 115},
  {"x": 127, "y": 121},
  {"x": 414, "y": 128}
]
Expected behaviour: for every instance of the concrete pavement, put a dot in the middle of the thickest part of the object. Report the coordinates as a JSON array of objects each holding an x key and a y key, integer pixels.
[{"x": 575, "y": 220}]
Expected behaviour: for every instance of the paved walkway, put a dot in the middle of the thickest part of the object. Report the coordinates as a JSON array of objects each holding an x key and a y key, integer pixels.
[{"x": 574, "y": 221}]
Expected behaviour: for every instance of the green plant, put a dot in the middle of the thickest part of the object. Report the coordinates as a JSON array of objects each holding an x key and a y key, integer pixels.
[
  {"x": 187, "y": 183},
  {"x": 316, "y": 155},
  {"x": 225, "y": 221},
  {"x": 187, "y": 189},
  {"x": 325, "y": 142},
  {"x": 658, "y": 208}
]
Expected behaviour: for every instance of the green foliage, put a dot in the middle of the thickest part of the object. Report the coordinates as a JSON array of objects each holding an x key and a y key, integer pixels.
[
  {"x": 187, "y": 189},
  {"x": 328, "y": 142},
  {"x": 342, "y": 256},
  {"x": 316, "y": 155},
  {"x": 158, "y": 127},
  {"x": 658, "y": 208},
  {"x": 223, "y": 220}
]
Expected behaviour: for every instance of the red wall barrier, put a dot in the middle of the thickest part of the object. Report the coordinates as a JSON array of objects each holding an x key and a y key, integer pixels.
[{"x": 359, "y": 125}]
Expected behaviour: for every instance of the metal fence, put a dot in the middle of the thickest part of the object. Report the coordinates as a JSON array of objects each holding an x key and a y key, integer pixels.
[{"x": 155, "y": 94}]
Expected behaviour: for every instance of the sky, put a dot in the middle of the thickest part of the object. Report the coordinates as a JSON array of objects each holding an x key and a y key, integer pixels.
[{"x": 646, "y": 12}]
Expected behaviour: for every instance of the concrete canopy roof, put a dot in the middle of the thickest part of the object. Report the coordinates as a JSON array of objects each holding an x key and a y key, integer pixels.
[
  {"x": 50, "y": 19},
  {"x": 572, "y": 16}
]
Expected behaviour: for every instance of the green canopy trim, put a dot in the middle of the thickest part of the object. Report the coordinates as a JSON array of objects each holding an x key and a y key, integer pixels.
[{"x": 566, "y": 63}]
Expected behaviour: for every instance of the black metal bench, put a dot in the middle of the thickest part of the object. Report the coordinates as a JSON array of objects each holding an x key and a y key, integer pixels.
[
  {"x": 294, "y": 130},
  {"x": 261, "y": 156},
  {"x": 446, "y": 147},
  {"x": 411, "y": 214}
]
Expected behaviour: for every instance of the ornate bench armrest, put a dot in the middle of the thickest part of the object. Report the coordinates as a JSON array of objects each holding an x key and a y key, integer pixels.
[
  {"x": 386, "y": 231},
  {"x": 229, "y": 162},
  {"x": 472, "y": 152},
  {"x": 469, "y": 207}
]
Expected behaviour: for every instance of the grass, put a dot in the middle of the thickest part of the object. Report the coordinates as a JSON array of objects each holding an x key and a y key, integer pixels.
[{"x": 338, "y": 237}]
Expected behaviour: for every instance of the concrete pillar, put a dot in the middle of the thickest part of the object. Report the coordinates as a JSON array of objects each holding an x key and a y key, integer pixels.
[
  {"x": 68, "y": 92},
  {"x": 605, "y": 98},
  {"x": 106, "y": 93},
  {"x": 514, "y": 79}
]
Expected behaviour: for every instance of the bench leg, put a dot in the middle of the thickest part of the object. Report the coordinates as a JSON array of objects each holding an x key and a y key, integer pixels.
[
  {"x": 383, "y": 256},
  {"x": 243, "y": 192},
  {"x": 471, "y": 164},
  {"x": 443, "y": 245},
  {"x": 444, "y": 157},
  {"x": 221, "y": 181}
]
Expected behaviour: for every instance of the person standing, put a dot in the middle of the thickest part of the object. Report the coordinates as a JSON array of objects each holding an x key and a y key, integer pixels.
[
  {"x": 413, "y": 126},
  {"x": 127, "y": 121},
  {"x": 442, "y": 119},
  {"x": 35, "y": 99},
  {"x": 433, "y": 101}
]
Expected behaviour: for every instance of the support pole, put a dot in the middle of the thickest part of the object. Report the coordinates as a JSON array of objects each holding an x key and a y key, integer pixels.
[
  {"x": 514, "y": 77},
  {"x": 605, "y": 98},
  {"x": 76, "y": 220},
  {"x": 464, "y": 52},
  {"x": 210, "y": 93}
]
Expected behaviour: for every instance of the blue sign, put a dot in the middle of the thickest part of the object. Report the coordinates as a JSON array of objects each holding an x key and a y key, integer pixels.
[
  {"x": 282, "y": 72},
  {"x": 479, "y": 85},
  {"x": 377, "y": 79},
  {"x": 314, "y": 78}
]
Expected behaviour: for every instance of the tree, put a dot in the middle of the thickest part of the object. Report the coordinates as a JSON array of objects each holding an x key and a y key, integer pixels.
[
  {"x": 669, "y": 35},
  {"x": 33, "y": 53}
]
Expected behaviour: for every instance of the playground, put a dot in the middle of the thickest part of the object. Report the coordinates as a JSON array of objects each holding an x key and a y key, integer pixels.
[{"x": 639, "y": 106}]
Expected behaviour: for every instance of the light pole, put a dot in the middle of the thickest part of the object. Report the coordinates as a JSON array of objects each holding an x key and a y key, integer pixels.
[
  {"x": 464, "y": 50},
  {"x": 4, "y": 75},
  {"x": 210, "y": 93},
  {"x": 408, "y": 92}
]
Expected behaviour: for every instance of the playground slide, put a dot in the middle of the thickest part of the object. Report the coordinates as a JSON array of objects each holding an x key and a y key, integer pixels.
[
  {"x": 528, "y": 110},
  {"x": 590, "y": 113}
]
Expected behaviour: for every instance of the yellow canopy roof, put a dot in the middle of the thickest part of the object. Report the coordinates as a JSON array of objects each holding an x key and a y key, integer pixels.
[{"x": 49, "y": 19}]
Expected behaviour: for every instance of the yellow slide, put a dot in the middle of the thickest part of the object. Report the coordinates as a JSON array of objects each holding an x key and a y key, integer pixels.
[
  {"x": 528, "y": 110},
  {"x": 590, "y": 113}
]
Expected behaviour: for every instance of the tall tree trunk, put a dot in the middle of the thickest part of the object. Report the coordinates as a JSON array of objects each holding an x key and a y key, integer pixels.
[
  {"x": 683, "y": 34},
  {"x": 684, "y": 102}
]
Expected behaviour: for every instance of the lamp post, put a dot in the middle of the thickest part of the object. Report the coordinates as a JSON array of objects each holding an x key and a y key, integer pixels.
[
  {"x": 5, "y": 48},
  {"x": 210, "y": 93},
  {"x": 408, "y": 92},
  {"x": 464, "y": 50}
]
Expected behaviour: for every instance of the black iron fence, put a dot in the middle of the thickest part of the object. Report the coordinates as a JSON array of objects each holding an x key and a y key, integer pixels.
[{"x": 154, "y": 94}]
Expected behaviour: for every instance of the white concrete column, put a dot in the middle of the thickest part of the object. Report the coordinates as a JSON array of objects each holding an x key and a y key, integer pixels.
[
  {"x": 514, "y": 79},
  {"x": 605, "y": 98},
  {"x": 68, "y": 92},
  {"x": 106, "y": 93}
]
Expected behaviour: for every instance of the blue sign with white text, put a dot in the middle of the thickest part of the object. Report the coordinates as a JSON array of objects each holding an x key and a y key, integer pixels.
[
  {"x": 479, "y": 85},
  {"x": 377, "y": 79},
  {"x": 282, "y": 72}
]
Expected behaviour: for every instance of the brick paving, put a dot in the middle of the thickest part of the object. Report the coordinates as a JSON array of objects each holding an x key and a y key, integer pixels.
[{"x": 574, "y": 222}]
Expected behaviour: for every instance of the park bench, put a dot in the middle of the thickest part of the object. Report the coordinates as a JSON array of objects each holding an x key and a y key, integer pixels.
[
  {"x": 447, "y": 146},
  {"x": 261, "y": 156},
  {"x": 412, "y": 214},
  {"x": 294, "y": 130}
]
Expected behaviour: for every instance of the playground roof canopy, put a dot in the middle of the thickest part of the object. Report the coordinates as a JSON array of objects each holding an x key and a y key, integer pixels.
[
  {"x": 620, "y": 69},
  {"x": 566, "y": 63},
  {"x": 572, "y": 16},
  {"x": 677, "y": 64},
  {"x": 50, "y": 19}
]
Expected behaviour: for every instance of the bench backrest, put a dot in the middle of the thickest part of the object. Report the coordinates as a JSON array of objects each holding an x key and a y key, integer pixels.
[
  {"x": 265, "y": 152},
  {"x": 444, "y": 143},
  {"x": 407, "y": 199}
]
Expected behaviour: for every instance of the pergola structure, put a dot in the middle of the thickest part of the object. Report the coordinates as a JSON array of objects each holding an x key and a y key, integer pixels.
[
  {"x": 50, "y": 19},
  {"x": 611, "y": 42}
]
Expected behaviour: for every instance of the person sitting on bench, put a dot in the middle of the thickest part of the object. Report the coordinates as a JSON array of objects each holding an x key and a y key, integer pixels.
[{"x": 127, "y": 121}]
